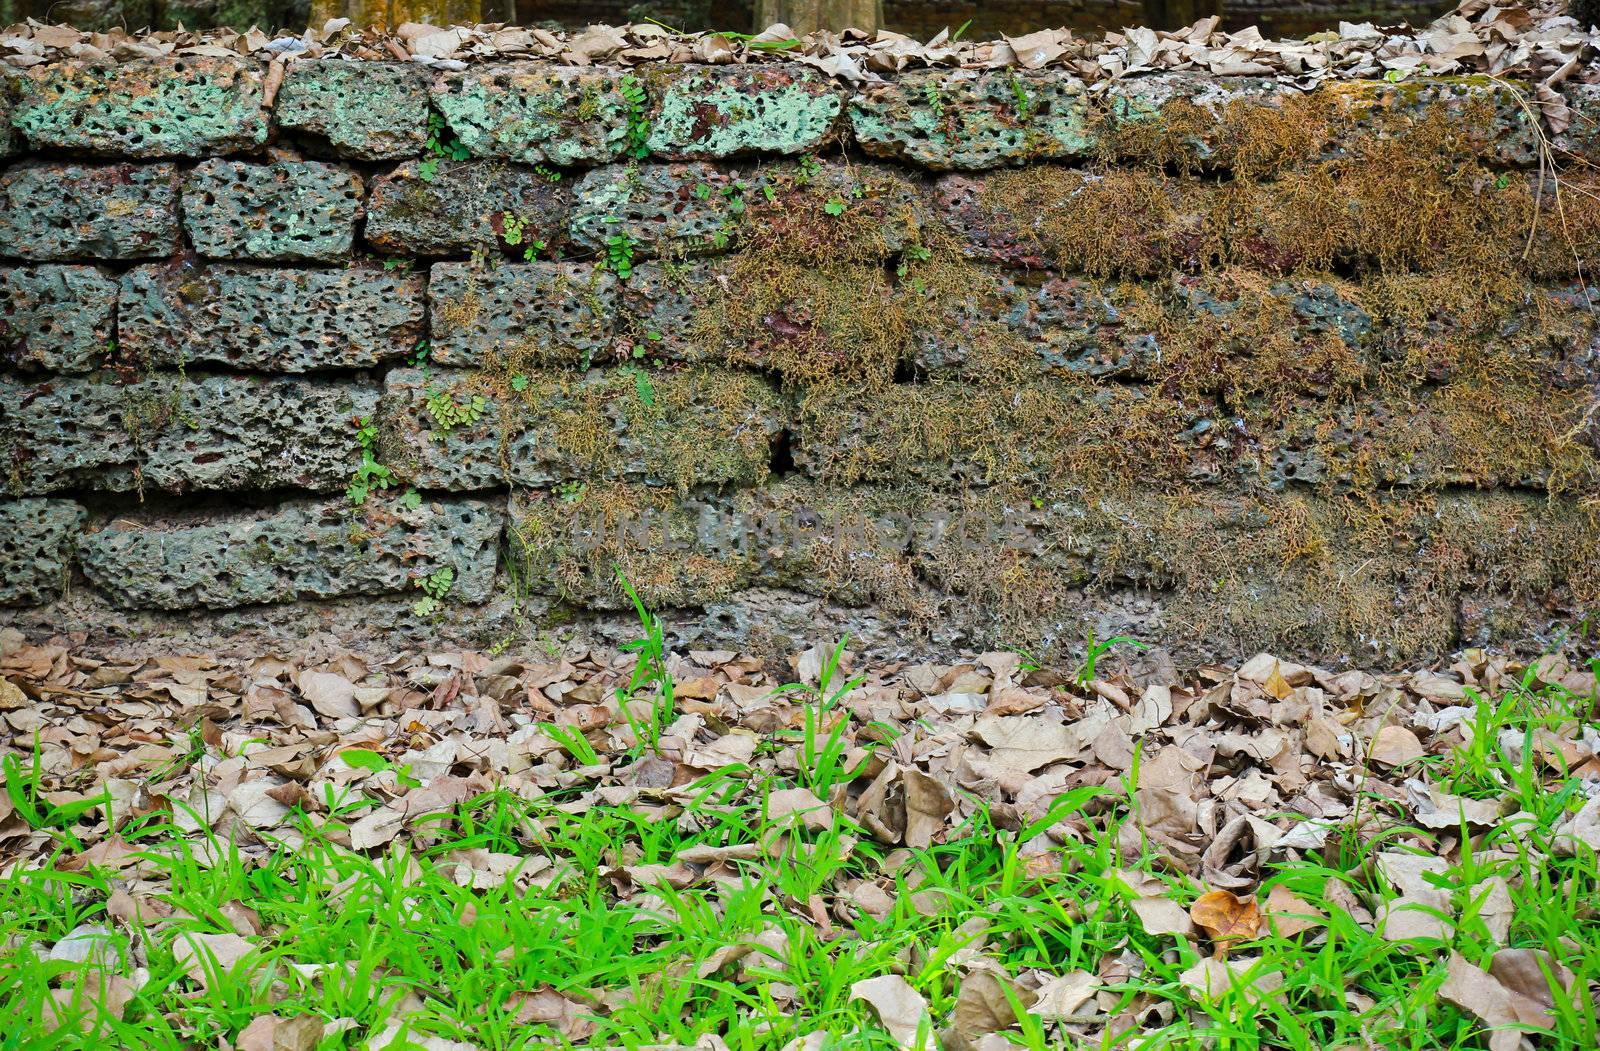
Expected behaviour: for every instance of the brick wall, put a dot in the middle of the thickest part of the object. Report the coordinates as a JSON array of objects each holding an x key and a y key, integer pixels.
[{"x": 954, "y": 359}]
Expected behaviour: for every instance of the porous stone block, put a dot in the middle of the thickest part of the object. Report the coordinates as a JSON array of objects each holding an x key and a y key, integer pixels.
[
  {"x": 524, "y": 312},
  {"x": 268, "y": 319},
  {"x": 699, "y": 208},
  {"x": 56, "y": 318},
  {"x": 369, "y": 111},
  {"x": 36, "y": 539},
  {"x": 298, "y": 550},
  {"x": 176, "y": 433},
  {"x": 971, "y": 121},
  {"x": 696, "y": 427},
  {"x": 78, "y": 212},
  {"x": 193, "y": 107},
  {"x": 708, "y": 112},
  {"x": 285, "y": 211},
  {"x": 465, "y": 206},
  {"x": 564, "y": 115}
]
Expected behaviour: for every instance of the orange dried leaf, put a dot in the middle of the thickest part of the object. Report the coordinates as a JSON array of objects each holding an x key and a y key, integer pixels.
[{"x": 1225, "y": 916}]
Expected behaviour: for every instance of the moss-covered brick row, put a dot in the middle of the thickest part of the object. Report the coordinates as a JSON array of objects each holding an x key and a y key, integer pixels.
[
  {"x": 267, "y": 319},
  {"x": 368, "y": 111},
  {"x": 1484, "y": 431},
  {"x": 540, "y": 428},
  {"x": 36, "y": 543},
  {"x": 970, "y": 121},
  {"x": 698, "y": 208},
  {"x": 713, "y": 112},
  {"x": 454, "y": 208},
  {"x": 78, "y": 212},
  {"x": 180, "y": 433},
  {"x": 295, "y": 550},
  {"x": 1401, "y": 214},
  {"x": 193, "y": 107},
  {"x": 536, "y": 114},
  {"x": 284, "y": 211},
  {"x": 55, "y": 318},
  {"x": 528, "y": 313}
]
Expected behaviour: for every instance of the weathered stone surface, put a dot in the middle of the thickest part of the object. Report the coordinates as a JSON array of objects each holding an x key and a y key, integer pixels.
[
  {"x": 268, "y": 319},
  {"x": 1582, "y": 136},
  {"x": 55, "y": 318},
  {"x": 196, "y": 107},
  {"x": 371, "y": 111},
  {"x": 970, "y": 122},
  {"x": 536, "y": 115},
  {"x": 464, "y": 207},
  {"x": 168, "y": 432},
  {"x": 293, "y": 551},
  {"x": 698, "y": 427},
  {"x": 692, "y": 209},
  {"x": 35, "y": 549},
  {"x": 527, "y": 313},
  {"x": 706, "y": 112},
  {"x": 287, "y": 211},
  {"x": 79, "y": 212}
]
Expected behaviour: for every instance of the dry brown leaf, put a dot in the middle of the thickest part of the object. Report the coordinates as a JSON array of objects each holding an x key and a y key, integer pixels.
[
  {"x": 1226, "y": 917},
  {"x": 1289, "y": 914},
  {"x": 1059, "y": 998},
  {"x": 982, "y": 1005},
  {"x": 205, "y": 955},
  {"x": 928, "y": 803},
  {"x": 900, "y": 1008},
  {"x": 1162, "y": 916},
  {"x": 1481, "y": 995},
  {"x": 271, "y": 1033},
  {"x": 330, "y": 694},
  {"x": 1395, "y": 745}
]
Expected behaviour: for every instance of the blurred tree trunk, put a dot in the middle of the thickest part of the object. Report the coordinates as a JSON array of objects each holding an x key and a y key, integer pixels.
[
  {"x": 1178, "y": 14},
  {"x": 395, "y": 12},
  {"x": 805, "y": 16}
]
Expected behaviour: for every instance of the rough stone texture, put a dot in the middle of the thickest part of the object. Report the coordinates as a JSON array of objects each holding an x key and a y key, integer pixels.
[
  {"x": 528, "y": 313},
  {"x": 268, "y": 319},
  {"x": 969, "y": 122},
  {"x": 81, "y": 212},
  {"x": 292, "y": 551},
  {"x": 698, "y": 208},
  {"x": 195, "y": 107},
  {"x": 369, "y": 111},
  {"x": 1582, "y": 136},
  {"x": 463, "y": 208},
  {"x": 709, "y": 112},
  {"x": 36, "y": 539},
  {"x": 698, "y": 428},
  {"x": 55, "y": 318},
  {"x": 536, "y": 115},
  {"x": 168, "y": 432},
  {"x": 288, "y": 211}
]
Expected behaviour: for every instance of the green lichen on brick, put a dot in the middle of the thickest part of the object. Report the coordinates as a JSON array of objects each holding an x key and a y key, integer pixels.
[
  {"x": 36, "y": 539},
  {"x": 959, "y": 121},
  {"x": 75, "y": 212},
  {"x": 55, "y": 318},
  {"x": 195, "y": 108},
  {"x": 542, "y": 115},
  {"x": 297, "y": 550},
  {"x": 702, "y": 112},
  {"x": 180, "y": 433},
  {"x": 271, "y": 319},
  {"x": 371, "y": 111},
  {"x": 285, "y": 211}
]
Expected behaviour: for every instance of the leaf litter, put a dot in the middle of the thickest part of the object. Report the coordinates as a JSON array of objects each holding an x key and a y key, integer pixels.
[{"x": 1002, "y": 854}]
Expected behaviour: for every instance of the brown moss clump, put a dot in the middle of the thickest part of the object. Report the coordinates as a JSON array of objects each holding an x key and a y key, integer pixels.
[
  {"x": 1251, "y": 136},
  {"x": 1112, "y": 222}
]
